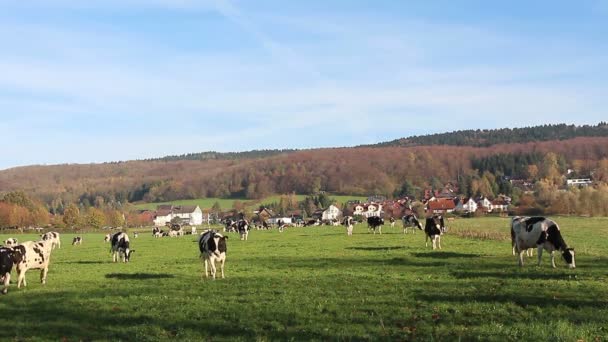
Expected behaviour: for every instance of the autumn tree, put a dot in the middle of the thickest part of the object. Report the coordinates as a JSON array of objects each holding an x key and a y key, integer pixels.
[
  {"x": 95, "y": 218},
  {"x": 71, "y": 215}
]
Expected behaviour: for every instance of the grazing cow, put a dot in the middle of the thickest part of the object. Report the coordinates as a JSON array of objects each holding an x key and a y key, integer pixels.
[
  {"x": 32, "y": 255},
  {"x": 53, "y": 237},
  {"x": 213, "y": 249},
  {"x": 135, "y": 235},
  {"x": 374, "y": 222},
  {"x": 243, "y": 229},
  {"x": 312, "y": 222},
  {"x": 6, "y": 266},
  {"x": 230, "y": 225},
  {"x": 433, "y": 229},
  {"x": 107, "y": 238},
  {"x": 10, "y": 242},
  {"x": 281, "y": 225},
  {"x": 173, "y": 233},
  {"x": 542, "y": 233},
  {"x": 348, "y": 223},
  {"x": 392, "y": 222},
  {"x": 158, "y": 234},
  {"x": 411, "y": 221},
  {"x": 77, "y": 240},
  {"x": 120, "y": 247},
  {"x": 155, "y": 230}
]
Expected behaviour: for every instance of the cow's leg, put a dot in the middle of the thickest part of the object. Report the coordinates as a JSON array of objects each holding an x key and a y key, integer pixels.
[
  {"x": 540, "y": 253},
  {"x": 520, "y": 257},
  {"x": 222, "y": 266},
  {"x": 114, "y": 256},
  {"x": 21, "y": 279},
  {"x": 58, "y": 243},
  {"x": 213, "y": 269},
  {"x": 439, "y": 241},
  {"x": 7, "y": 281},
  {"x": 206, "y": 271},
  {"x": 553, "y": 259},
  {"x": 43, "y": 273},
  {"x": 426, "y": 240}
]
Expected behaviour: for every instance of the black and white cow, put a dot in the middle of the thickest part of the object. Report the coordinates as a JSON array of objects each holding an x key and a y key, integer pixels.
[
  {"x": 243, "y": 228},
  {"x": 348, "y": 222},
  {"x": 6, "y": 266},
  {"x": 529, "y": 251},
  {"x": 10, "y": 242},
  {"x": 375, "y": 222},
  {"x": 77, "y": 240},
  {"x": 433, "y": 229},
  {"x": 212, "y": 246},
  {"x": 32, "y": 255},
  {"x": 107, "y": 238},
  {"x": 53, "y": 237},
  {"x": 155, "y": 231},
  {"x": 120, "y": 247},
  {"x": 542, "y": 233},
  {"x": 230, "y": 225},
  {"x": 392, "y": 220},
  {"x": 135, "y": 235},
  {"x": 312, "y": 222},
  {"x": 411, "y": 221}
]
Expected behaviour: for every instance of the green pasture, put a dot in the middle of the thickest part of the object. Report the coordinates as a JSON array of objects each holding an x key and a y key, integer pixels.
[
  {"x": 226, "y": 203},
  {"x": 319, "y": 284}
]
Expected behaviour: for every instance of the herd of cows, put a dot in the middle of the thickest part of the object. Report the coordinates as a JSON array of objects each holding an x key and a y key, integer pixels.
[{"x": 526, "y": 233}]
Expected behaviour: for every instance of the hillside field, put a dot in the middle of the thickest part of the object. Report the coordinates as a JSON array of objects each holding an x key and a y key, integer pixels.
[
  {"x": 319, "y": 284},
  {"x": 226, "y": 203}
]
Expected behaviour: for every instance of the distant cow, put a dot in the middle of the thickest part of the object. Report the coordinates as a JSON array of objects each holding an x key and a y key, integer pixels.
[
  {"x": 375, "y": 222},
  {"x": 392, "y": 220},
  {"x": 348, "y": 223},
  {"x": 77, "y": 240},
  {"x": 213, "y": 249},
  {"x": 411, "y": 221},
  {"x": 120, "y": 247},
  {"x": 135, "y": 235},
  {"x": 230, "y": 225},
  {"x": 10, "y": 242},
  {"x": 32, "y": 255},
  {"x": 155, "y": 230},
  {"x": 433, "y": 229},
  {"x": 53, "y": 237},
  {"x": 312, "y": 222},
  {"x": 541, "y": 233},
  {"x": 6, "y": 266},
  {"x": 242, "y": 227}
]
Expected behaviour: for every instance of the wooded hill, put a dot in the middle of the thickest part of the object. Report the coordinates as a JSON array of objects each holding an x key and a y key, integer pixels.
[{"x": 353, "y": 171}]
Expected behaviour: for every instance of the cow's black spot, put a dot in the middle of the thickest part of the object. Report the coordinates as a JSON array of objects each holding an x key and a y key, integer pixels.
[
  {"x": 554, "y": 236},
  {"x": 530, "y": 222},
  {"x": 542, "y": 238}
]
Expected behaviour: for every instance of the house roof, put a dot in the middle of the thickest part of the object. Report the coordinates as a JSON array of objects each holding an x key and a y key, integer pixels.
[
  {"x": 163, "y": 212},
  {"x": 442, "y": 204},
  {"x": 185, "y": 209}
]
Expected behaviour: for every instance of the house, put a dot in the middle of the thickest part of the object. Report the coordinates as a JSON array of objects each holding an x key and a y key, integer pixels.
[
  {"x": 580, "y": 182},
  {"x": 275, "y": 220},
  {"x": 264, "y": 214},
  {"x": 331, "y": 213},
  {"x": 466, "y": 205},
  {"x": 376, "y": 198},
  {"x": 441, "y": 206},
  {"x": 499, "y": 205},
  {"x": 188, "y": 214},
  {"x": 484, "y": 203}
]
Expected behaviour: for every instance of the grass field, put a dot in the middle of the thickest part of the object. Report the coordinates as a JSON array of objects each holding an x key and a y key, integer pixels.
[
  {"x": 319, "y": 284},
  {"x": 226, "y": 203}
]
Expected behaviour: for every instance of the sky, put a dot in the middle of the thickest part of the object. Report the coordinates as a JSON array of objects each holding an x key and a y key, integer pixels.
[{"x": 96, "y": 81}]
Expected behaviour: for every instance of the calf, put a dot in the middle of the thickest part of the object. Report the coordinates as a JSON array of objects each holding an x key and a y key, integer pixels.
[
  {"x": 433, "y": 229},
  {"x": 213, "y": 249},
  {"x": 374, "y": 222},
  {"x": 10, "y": 242},
  {"x": 120, "y": 247},
  {"x": 243, "y": 229},
  {"x": 77, "y": 241},
  {"x": 6, "y": 266},
  {"x": 348, "y": 223},
  {"x": 53, "y": 237},
  {"x": 32, "y": 255},
  {"x": 541, "y": 233},
  {"x": 411, "y": 221}
]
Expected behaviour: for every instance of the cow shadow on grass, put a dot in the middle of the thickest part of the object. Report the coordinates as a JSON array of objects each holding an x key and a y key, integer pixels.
[
  {"x": 382, "y": 248},
  {"x": 445, "y": 255},
  {"x": 511, "y": 275},
  {"x": 138, "y": 276},
  {"x": 84, "y": 262}
]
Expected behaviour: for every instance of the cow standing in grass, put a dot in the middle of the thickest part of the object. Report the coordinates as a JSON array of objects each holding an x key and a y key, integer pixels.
[
  {"x": 392, "y": 220},
  {"x": 411, "y": 221},
  {"x": 375, "y": 222},
  {"x": 348, "y": 223},
  {"x": 32, "y": 255},
  {"x": 542, "y": 233},
  {"x": 243, "y": 229},
  {"x": 120, "y": 247},
  {"x": 212, "y": 246},
  {"x": 77, "y": 240},
  {"x": 6, "y": 266},
  {"x": 433, "y": 229},
  {"x": 53, "y": 237}
]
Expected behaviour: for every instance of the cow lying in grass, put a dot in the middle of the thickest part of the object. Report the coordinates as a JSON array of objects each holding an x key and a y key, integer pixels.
[{"x": 213, "y": 249}]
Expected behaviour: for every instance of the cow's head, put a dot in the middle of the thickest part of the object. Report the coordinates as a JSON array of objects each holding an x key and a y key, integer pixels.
[
  {"x": 220, "y": 241},
  {"x": 568, "y": 255},
  {"x": 128, "y": 253},
  {"x": 18, "y": 254}
]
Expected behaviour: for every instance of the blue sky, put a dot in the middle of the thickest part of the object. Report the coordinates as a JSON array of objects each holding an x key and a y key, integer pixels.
[{"x": 94, "y": 81}]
